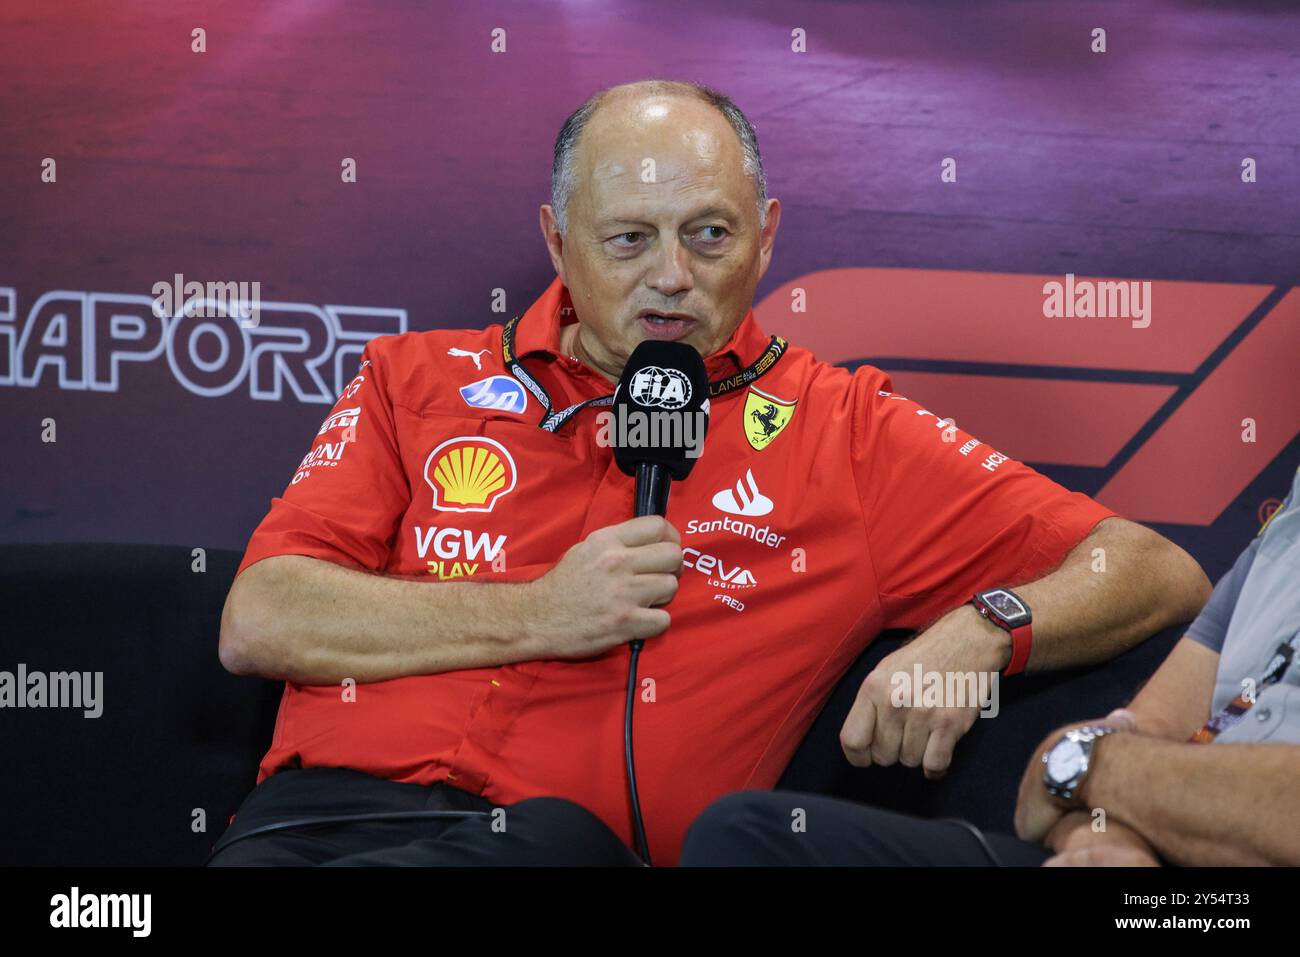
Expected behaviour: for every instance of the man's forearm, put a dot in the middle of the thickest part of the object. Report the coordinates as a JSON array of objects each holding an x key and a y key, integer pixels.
[
  {"x": 1201, "y": 804},
  {"x": 309, "y": 621},
  {"x": 1098, "y": 604}
]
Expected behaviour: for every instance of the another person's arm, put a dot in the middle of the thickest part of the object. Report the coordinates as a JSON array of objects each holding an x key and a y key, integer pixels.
[
  {"x": 1161, "y": 795},
  {"x": 1201, "y": 804},
  {"x": 1171, "y": 706}
]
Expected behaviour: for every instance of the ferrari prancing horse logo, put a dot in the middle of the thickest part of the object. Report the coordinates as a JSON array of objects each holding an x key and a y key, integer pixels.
[{"x": 765, "y": 417}]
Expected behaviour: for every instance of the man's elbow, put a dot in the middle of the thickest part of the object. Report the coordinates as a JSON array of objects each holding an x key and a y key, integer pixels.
[
  {"x": 1186, "y": 588},
  {"x": 233, "y": 647},
  {"x": 246, "y": 642}
]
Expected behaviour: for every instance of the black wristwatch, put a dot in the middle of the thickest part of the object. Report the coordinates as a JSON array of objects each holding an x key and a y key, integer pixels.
[{"x": 1009, "y": 612}]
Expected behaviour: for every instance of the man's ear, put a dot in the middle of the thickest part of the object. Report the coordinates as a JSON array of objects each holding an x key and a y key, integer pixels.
[
  {"x": 768, "y": 236},
  {"x": 553, "y": 239}
]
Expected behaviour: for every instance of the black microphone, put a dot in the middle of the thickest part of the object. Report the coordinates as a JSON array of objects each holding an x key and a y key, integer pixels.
[{"x": 661, "y": 415}]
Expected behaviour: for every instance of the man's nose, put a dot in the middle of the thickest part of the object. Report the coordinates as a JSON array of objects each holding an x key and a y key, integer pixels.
[{"x": 670, "y": 272}]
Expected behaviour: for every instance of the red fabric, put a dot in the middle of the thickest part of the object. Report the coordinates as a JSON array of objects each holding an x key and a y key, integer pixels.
[
  {"x": 1022, "y": 643},
  {"x": 876, "y": 522}
]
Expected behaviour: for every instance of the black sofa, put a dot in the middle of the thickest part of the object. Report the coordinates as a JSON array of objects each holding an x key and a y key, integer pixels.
[{"x": 179, "y": 739}]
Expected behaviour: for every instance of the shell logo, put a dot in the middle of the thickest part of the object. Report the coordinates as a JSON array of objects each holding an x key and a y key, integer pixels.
[{"x": 469, "y": 473}]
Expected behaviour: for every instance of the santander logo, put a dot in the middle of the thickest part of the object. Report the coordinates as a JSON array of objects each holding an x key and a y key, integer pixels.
[{"x": 744, "y": 498}]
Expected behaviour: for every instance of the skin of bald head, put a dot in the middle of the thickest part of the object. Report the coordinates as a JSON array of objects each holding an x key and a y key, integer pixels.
[{"x": 663, "y": 217}]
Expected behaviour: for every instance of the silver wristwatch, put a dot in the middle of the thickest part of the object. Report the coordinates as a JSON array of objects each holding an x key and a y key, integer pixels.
[{"x": 1066, "y": 763}]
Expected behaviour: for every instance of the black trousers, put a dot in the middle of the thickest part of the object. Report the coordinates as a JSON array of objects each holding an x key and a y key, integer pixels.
[
  {"x": 543, "y": 831},
  {"x": 750, "y": 828}
]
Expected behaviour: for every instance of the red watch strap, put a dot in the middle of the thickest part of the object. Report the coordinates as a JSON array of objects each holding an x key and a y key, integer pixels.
[{"x": 1022, "y": 641}]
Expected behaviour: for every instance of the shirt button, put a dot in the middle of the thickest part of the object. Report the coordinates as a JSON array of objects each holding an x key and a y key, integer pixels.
[{"x": 1263, "y": 714}]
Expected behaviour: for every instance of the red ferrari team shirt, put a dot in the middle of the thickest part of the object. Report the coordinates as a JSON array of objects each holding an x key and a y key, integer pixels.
[{"x": 824, "y": 509}]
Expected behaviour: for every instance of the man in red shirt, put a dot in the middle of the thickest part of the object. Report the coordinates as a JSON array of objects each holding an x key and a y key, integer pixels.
[{"x": 448, "y": 583}]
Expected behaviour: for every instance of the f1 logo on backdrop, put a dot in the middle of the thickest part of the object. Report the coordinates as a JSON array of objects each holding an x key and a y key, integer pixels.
[{"x": 1177, "y": 416}]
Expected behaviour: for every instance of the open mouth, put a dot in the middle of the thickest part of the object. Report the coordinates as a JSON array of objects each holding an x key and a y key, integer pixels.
[{"x": 659, "y": 326}]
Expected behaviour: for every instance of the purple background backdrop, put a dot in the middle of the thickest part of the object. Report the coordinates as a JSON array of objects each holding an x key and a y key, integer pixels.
[{"x": 225, "y": 165}]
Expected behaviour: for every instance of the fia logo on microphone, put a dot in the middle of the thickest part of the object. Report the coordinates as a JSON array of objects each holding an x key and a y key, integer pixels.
[{"x": 657, "y": 388}]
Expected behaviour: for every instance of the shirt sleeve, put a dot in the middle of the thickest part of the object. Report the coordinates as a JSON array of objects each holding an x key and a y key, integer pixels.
[
  {"x": 1211, "y": 626},
  {"x": 349, "y": 492},
  {"x": 946, "y": 514}
]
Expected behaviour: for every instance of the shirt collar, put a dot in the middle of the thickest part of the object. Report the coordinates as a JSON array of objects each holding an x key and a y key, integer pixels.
[{"x": 538, "y": 331}]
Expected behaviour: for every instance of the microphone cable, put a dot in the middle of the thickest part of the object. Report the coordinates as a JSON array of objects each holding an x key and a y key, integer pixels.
[{"x": 643, "y": 847}]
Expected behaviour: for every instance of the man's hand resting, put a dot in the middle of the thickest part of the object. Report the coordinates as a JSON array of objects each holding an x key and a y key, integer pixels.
[
  {"x": 1077, "y": 845},
  {"x": 877, "y": 731}
]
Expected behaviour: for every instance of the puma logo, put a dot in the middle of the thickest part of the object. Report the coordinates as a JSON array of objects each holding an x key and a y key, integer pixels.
[{"x": 478, "y": 363}]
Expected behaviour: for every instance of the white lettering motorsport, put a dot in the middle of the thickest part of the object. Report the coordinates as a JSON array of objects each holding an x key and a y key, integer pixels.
[
  {"x": 720, "y": 576},
  {"x": 341, "y": 419},
  {"x": 993, "y": 461},
  {"x": 326, "y": 454},
  {"x": 103, "y": 910},
  {"x": 761, "y": 534},
  {"x": 447, "y": 543}
]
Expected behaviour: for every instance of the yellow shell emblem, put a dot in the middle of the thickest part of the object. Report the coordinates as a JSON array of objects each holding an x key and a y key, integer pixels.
[
  {"x": 765, "y": 417},
  {"x": 469, "y": 474}
]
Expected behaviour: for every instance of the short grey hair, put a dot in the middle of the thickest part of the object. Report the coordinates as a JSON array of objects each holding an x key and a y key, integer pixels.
[{"x": 564, "y": 176}]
